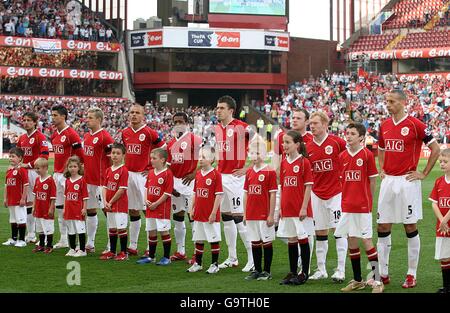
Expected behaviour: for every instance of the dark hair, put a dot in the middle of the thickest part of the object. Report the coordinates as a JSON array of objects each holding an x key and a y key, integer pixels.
[
  {"x": 359, "y": 128},
  {"x": 119, "y": 146},
  {"x": 303, "y": 111},
  {"x": 32, "y": 116},
  {"x": 297, "y": 138},
  {"x": 61, "y": 110},
  {"x": 162, "y": 153},
  {"x": 183, "y": 115},
  {"x": 17, "y": 151},
  {"x": 231, "y": 103}
]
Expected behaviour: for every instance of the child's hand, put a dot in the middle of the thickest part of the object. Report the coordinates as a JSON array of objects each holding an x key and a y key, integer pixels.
[
  {"x": 5, "y": 203},
  {"x": 108, "y": 207},
  {"x": 83, "y": 212},
  {"x": 22, "y": 202},
  {"x": 302, "y": 215},
  {"x": 270, "y": 221},
  {"x": 443, "y": 228},
  {"x": 191, "y": 214},
  {"x": 212, "y": 218},
  {"x": 50, "y": 213},
  {"x": 152, "y": 206},
  {"x": 148, "y": 203}
]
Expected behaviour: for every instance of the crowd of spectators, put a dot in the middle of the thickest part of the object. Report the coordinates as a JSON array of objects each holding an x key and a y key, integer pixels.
[
  {"x": 348, "y": 98},
  {"x": 25, "y": 57},
  {"x": 25, "y": 85},
  {"x": 115, "y": 112},
  {"x": 65, "y": 19}
]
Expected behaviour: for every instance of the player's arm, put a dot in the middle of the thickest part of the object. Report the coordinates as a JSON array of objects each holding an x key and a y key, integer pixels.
[
  {"x": 51, "y": 210},
  {"x": 434, "y": 156},
  {"x": 244, "y": 201},
  {"x": 161, "y": 199},
  {"x": 191, "y": 209},
  {"x": 84, "y": 210},
  {"x": 272, "y": 202},
  {"x": 306, "y": 197},
  {"x": 217, "y": 201},
  {"x": 373, "y": 185},
  {"x": 119, "y": 193},
  {"x": 23, "y": 199}
]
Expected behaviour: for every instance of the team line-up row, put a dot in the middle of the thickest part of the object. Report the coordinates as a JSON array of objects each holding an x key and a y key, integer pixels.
[{"x": 322, "y": 183}]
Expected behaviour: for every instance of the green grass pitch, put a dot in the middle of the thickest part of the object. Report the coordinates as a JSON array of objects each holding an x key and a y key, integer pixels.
[{"x": 24, "y": 271}]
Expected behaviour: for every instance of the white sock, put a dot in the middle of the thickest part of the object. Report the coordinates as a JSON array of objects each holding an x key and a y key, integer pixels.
[
  {"x": 180, "y": 236},
  {"x": 135, "y": 227},
  {"x": 384, "y": 249},
  {"x": 311, "y": 247},
  {"x": 91, "y": 225},
  {"x": 413, "y": 254},
  {"x": 230, "y": 231},
  {"x": 62, "y": 227},
  {"x": 321, "y": 254},
  {"x": 31, "y": 226},
  {"x": 243, "y": 234},
  {"x": 341, "y": 249}
]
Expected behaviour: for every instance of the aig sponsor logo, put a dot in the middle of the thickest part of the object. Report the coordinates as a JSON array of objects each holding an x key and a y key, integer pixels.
[
  {"x": 323, "y": 166},
  {"x": 223, "y": 146},
  {"x": 27, "y": 151},
  {"x": 72, "y": 196},
  {"x": 58, "y": 149},
  {"x": 395, "y": 145},
  {"x": 88, "y": 151},
  {"x": 155, "y": 191},
  {"x": 111, "y": 186},
  {"x": 11, "y": 182},
  {"x": 444, "y": 202},
  {"x": 290, "y": 181},
  {"x": 41, "y": 196},
  {"x": 254, "y": 189},
  {"x": 134, "y": 148},
  {"x": 353, "y": 175},
  {"x": 177, "y": 158},
  {"x": 202, "y": 192}
]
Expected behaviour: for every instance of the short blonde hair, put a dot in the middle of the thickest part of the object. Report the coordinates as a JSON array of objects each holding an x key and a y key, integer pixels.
[
  {"x": 209, "y": 152},
  {"x": 41, "y": 162},
  {"x": 97, "y": 112},
  {"x": 323, "y": 117},
  {"x": 446, "y": 153},
  {"x": 258, "y": 143}
]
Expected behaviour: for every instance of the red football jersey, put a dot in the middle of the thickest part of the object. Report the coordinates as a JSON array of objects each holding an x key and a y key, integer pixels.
[
  {"x": 294, "y": 176},
  {"x": 16, "y": 179},
  {"x": 75, "y": 193},
  {"x": 65, "y": 144},
  {"x": 324, "y": 158},
  {"x": 115, "y": 179},
  {"x": 97, "y": 147},
  {"x": 259, "y": 183},
  {"x": 356, "y": 171},
  {"x": 207, "y": 185},
  {"x": 34, "y": 146},
  {"x": 231, "y": 144},
  {"x": 278, "y": 147},
  {"x": 139, "y": 144},
  {"x": 183, "y": 154},
  {"x": 158, "y": 184},
  {"x": 402, "y": 143},
  {"x": 441, "y": 196},
  {"x": 44, "y": 192}
]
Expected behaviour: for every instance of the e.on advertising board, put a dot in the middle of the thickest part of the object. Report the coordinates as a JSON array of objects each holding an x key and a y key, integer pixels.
[{"x": 208, "y": 38}]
